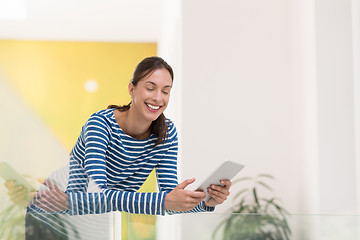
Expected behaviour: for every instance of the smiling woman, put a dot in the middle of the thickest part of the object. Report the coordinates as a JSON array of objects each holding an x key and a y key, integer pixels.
[
  {"x": 150, "y": 92},
  {"x": 117, "y": 149}
]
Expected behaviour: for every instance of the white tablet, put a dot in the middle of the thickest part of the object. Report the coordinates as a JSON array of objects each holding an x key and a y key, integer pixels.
[
  {"x": 7, "y": 172},
  {"x": 226, "y": 171}
]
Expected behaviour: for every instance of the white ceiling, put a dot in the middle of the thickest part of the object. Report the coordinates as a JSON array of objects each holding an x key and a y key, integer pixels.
[{"x": 82, "y": 20}]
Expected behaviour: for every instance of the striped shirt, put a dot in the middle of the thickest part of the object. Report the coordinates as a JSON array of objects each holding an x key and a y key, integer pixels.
[{"x": 120, "y": 164}]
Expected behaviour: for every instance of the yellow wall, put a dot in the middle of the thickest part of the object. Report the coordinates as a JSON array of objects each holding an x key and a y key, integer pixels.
[{"x": 48, "y": 78}]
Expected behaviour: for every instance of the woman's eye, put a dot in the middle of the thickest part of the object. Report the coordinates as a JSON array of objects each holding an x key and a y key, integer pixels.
[
  {"x": 150, "y": 89},
  {"x": 165, "y": 92}
]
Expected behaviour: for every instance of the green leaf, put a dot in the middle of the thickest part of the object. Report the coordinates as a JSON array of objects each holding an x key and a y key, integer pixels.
[
  {"x": 240, "y": 193},
  {"x": 255, "y": 197},
  {"x": 265, "y": 176},
  {"x": 265, "y": 185}
]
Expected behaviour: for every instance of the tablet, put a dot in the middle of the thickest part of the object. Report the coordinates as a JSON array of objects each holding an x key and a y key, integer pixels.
[
  {"x": 226, "y": 171},
  {"x": 8, "y": 173}
]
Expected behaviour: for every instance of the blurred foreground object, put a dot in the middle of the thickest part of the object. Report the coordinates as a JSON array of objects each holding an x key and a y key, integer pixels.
[{"x": 255, "y": 217}]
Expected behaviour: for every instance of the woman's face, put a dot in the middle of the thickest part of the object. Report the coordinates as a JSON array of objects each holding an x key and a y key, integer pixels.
[{"x": 151, "y": 95}]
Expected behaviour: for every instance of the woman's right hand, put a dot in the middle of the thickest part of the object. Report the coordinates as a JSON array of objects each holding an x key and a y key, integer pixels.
[
  {"x": 182, "y": 200},
  {"x": 18, "y": 194}
]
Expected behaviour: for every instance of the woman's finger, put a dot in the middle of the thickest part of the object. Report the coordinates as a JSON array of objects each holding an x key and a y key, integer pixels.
[
  {"x": 10, "y": 184},
  {"x": 224, "y": 190},
  {"x": 227, "y": 183},
  {"x": 18, "y": 195},
  {"x": 196, "y": 194},
  {"x": 53, "y": 200},
  {"x": 15, "y": 191},
  {"x": 217, "y": 196},
  {"x": 50, "y": 185},
  {"x": 214, "y": 193}
]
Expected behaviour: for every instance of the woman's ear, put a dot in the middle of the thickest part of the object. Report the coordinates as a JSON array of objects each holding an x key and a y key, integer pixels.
[{"x": 131, "y": 89}]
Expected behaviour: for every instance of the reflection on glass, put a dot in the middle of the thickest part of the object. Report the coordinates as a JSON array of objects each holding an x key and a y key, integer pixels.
[
  {"x": 20, "y": 190},
  {"x": 12, "y": 220},
  {"x": 48, "y": 210},
  {"x": 46, "y": 216},
  {"x": 141, "y": 227}
]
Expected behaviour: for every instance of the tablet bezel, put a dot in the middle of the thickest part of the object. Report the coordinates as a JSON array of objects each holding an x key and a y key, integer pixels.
[{"x": 226, "y": 171}]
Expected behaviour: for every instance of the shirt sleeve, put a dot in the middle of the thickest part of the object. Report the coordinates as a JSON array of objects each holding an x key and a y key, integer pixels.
[
  {"x": 96, "y": 141},
  {"x": 166, "y": 173}
]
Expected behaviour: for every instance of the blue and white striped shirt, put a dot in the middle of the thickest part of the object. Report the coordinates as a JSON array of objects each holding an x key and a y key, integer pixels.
[{"x": 120, "y": 164}]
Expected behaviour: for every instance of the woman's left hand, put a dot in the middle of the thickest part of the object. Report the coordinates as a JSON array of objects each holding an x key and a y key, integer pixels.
[
  {"x": 51, "y": 200},
  {"x": 218, "y": 193}
]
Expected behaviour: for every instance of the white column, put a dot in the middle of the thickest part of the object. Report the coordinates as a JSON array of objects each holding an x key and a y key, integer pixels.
[
  {"x": 356, "y": 68},
  {"x": 169, "y": 48},
  {"x": 335, "y": 81},
  {"x": 304, "y": 72}
]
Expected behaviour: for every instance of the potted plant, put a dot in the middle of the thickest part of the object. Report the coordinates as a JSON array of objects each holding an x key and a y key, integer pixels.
[{"x": 255, "y": 217}]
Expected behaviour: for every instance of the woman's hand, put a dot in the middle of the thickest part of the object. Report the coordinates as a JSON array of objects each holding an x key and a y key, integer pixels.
[
  {"x": 218, "y": 193},
  {"x": 18, "y": 194},
  {"x": 51, "y": 200},
  {"x": 183, "y": 200}
]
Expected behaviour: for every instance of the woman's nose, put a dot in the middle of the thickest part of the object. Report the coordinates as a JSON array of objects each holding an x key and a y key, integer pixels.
[{"x": 157, "y": 96}]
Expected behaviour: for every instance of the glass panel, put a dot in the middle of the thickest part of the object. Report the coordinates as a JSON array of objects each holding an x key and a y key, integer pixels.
[
  {"x": 203, "y": 226},
  {"x": 54, "y": 226},
  {"x": 251, "y": 226},
  {"x": 206, "y": 226},
  {"x": 142, "y": 227}
]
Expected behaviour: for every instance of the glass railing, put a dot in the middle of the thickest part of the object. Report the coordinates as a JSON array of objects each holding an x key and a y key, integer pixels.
[
  {"x": 202, "y": 226},
  {"x": 51, "y": 226},
  {"x": 207, "y": 226}
]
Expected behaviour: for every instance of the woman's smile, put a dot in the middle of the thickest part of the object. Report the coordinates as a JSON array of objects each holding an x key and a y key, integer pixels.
[{"x": 152, "y": 107}]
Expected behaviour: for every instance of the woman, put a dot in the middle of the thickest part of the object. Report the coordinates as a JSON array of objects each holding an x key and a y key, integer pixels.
[{"x": 118, "y": 147}]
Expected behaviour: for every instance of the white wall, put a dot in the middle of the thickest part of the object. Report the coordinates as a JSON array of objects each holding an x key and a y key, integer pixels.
[
  {"x": 240, "y": 98},
  {"x": 271, "y": 84},
  {"x": 81, "y": 20}
]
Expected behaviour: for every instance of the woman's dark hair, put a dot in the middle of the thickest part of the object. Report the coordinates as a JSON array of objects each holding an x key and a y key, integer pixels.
[{"x": 146, "y": 67}]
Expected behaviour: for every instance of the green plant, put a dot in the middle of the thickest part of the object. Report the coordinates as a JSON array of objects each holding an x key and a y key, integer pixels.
[
  {"x": 12, "y": 220},
  {"x": 254, "y": 217}
]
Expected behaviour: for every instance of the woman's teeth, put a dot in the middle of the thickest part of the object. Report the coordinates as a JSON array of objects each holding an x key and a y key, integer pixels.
[{"x": 152, "y": 106}]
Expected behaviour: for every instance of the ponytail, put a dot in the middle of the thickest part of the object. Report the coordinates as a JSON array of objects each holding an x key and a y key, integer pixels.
[
  {"x": 159, "y": 127},
  {"x": 122, "y": 108}
]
